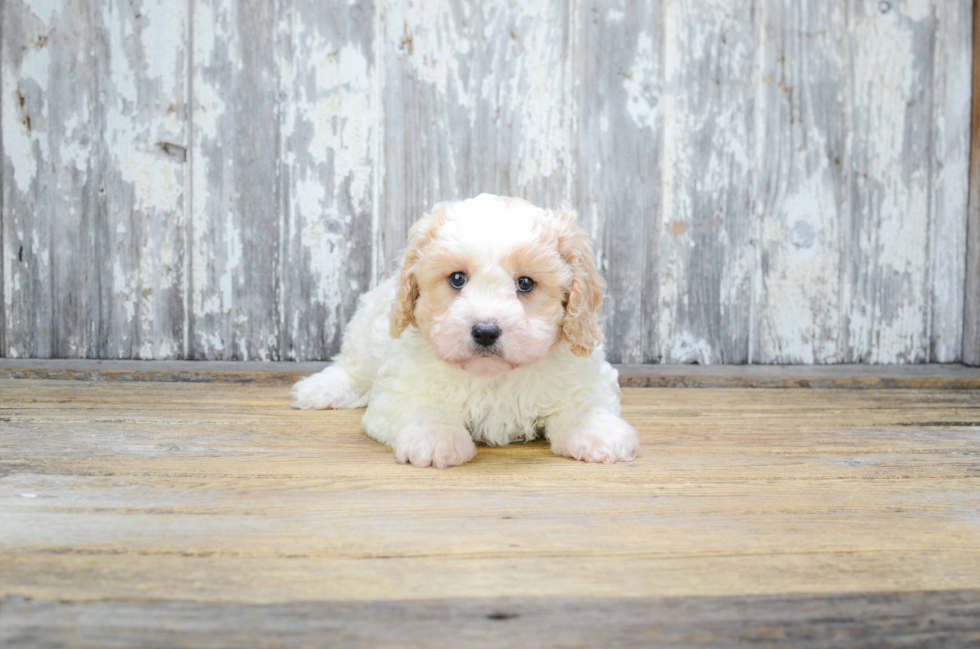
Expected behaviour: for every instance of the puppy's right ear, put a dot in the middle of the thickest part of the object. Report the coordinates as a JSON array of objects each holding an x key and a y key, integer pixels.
[{"x": 424, "y": 230}]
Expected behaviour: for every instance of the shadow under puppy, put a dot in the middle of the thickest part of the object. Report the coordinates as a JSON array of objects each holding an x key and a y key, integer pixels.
[{"x": 489, "y": 334}]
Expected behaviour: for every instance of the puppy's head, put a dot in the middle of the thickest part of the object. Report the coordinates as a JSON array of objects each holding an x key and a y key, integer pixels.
[{"x": 492, "y": 283}]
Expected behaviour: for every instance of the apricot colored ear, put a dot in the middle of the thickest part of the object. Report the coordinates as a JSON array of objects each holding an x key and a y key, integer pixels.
[
  {"x": 584, "y": 302},
  {"x": 422, "y": 232}
]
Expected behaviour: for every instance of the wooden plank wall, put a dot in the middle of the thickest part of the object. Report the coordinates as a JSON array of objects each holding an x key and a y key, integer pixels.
[
  {"x": 971, "y": 324},
  {"x": 767, "y": 181}
]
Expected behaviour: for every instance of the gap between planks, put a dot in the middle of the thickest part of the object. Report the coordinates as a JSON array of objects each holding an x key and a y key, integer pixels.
[{"x": 929, "y": 376}]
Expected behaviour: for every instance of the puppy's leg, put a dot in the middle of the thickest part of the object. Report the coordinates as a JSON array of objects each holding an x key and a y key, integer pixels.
[
  {"x": 598, "y": 435},
  {"x": 436, "y": 445},
  {"x": 420, "y": 432},
  {"x": 334, "y": 387}
]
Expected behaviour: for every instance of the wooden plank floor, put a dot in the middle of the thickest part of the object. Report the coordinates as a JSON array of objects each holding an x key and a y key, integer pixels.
[{"x": 214, "y": 515}]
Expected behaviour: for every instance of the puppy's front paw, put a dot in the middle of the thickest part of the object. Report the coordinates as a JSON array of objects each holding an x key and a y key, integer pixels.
[
  {"x": 331, "y": 388},
  {"x": 600, "y": 437},
  {"x": 438, "y": 445}
]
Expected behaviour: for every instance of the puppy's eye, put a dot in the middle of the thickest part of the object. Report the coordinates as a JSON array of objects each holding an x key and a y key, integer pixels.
[
  {"x": 457, "y": 280},
  {"x": 525, "y": 284}
]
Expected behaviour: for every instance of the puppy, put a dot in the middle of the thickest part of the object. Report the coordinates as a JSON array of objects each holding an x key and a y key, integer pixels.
[{"x": 489, "y": 334}]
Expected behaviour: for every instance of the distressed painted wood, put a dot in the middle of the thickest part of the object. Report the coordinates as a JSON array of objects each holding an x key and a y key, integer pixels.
[
  {"x": 801, "y": 182},
  {"x": 706, "y": 254},
  {"x": 886, "y": 236},
  {"x": 94, "y": 154},
  {"x": 147, "y": 495},
  {"x": 330, "y": 131},
  {"x": 952, "y": 76},
  {"x": 49, "y": 96},
  {"x": 971, "y": 323},
  {"x": 766, "y": 181},
  {"x": 620, "y": 135},
  {"x": 235, "y": 204},
  {"x": 478, "y": 98},
  {"x": 3, "y": 192}
]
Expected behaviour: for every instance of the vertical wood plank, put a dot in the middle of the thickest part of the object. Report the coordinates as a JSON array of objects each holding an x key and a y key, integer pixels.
[
  {"x": 971, "y": 311},
  {"x": 706, "y": 244},
  {"x": 50, "y": 127},
  {"x": 325, "y": 57},
  {"x": 620, "y": 130},
  {"x": 235, "y": 207},
  {"x": 950, "y": 141},
  {"x": 475, "y": 101},
  {"x": 886, "y": 270},
  {"x": 800, "y": 189},
  {"x": 143, "y": 149},
  {"x": 93, "y": 153},
  {"x": 3, "y": 191}
]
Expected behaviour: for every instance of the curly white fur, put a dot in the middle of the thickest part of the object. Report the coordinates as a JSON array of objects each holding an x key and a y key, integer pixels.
[{"x": 431, "y": 392}]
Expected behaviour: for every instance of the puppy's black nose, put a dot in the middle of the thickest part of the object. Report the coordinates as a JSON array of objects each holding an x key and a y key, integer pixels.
[{"x": 486, "y": 333}]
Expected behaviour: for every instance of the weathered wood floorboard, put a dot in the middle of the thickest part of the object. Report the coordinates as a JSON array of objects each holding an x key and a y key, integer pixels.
[
  {"x": 172, "y": 512},
  {"x": 941, "y": 618}
]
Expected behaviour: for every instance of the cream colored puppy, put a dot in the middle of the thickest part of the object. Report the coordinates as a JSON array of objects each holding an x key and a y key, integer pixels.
[{"x": 489, "y": 334}]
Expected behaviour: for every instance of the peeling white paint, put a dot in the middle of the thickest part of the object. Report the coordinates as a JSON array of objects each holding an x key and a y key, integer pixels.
[
  {"x": 330, "y": 120},
  {"x": 166, "y": 24},
  {"x": 615, "y": 15},
  {"x": 426, "y": 37},
  {"x": 341, "y": 117},
  {"x": 895, "y": 210},
  {"x": 495, "y": 86},
  {"x": 686, "y": 348},
  {"x": 543, "y": 133},
  {"x": 45, "y": 10},
  {"x": 706, "y": 179},
  {"x": 21, "y": 132},
  {"x": 952, "y": 88},
  {"x": 643, "y": 86}
]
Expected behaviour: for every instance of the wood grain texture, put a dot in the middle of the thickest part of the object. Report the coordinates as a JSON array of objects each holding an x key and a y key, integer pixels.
[
  {"x": 801, "y": 192},
  {"x": 142, "y": 498},
  {"x": 477, "y": 99},
  {"x": 921, "y": 376},
  {"x": 766, "y": 181},
  {"x": 39, "y": 97},
  {"x": 971, "y": 311},
  {"x": 3, "y": 192},
  {"x": 94, "y": 152},
  {"x": 706, "y": 260},
  {"x": 936, "y": 618},
  {"x": 325, "y": 53},
  {"x": 887, "y": 236},
  {"x": 235, "y": 203},
  {"x": 950, "y": 177},
  {"x": 620, "y": 125}
]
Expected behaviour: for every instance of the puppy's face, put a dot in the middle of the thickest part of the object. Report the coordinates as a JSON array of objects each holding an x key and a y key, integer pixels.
[{"x": 493, "y": 283}]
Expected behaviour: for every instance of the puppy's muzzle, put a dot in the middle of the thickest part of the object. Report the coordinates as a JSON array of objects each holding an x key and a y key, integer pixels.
[{"x": 485, "y": 334}]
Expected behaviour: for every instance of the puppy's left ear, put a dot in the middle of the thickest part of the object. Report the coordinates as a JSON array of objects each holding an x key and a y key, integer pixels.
[
  {"x": 424, "y": 230},
  {"x": 583, "y": 304}
]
